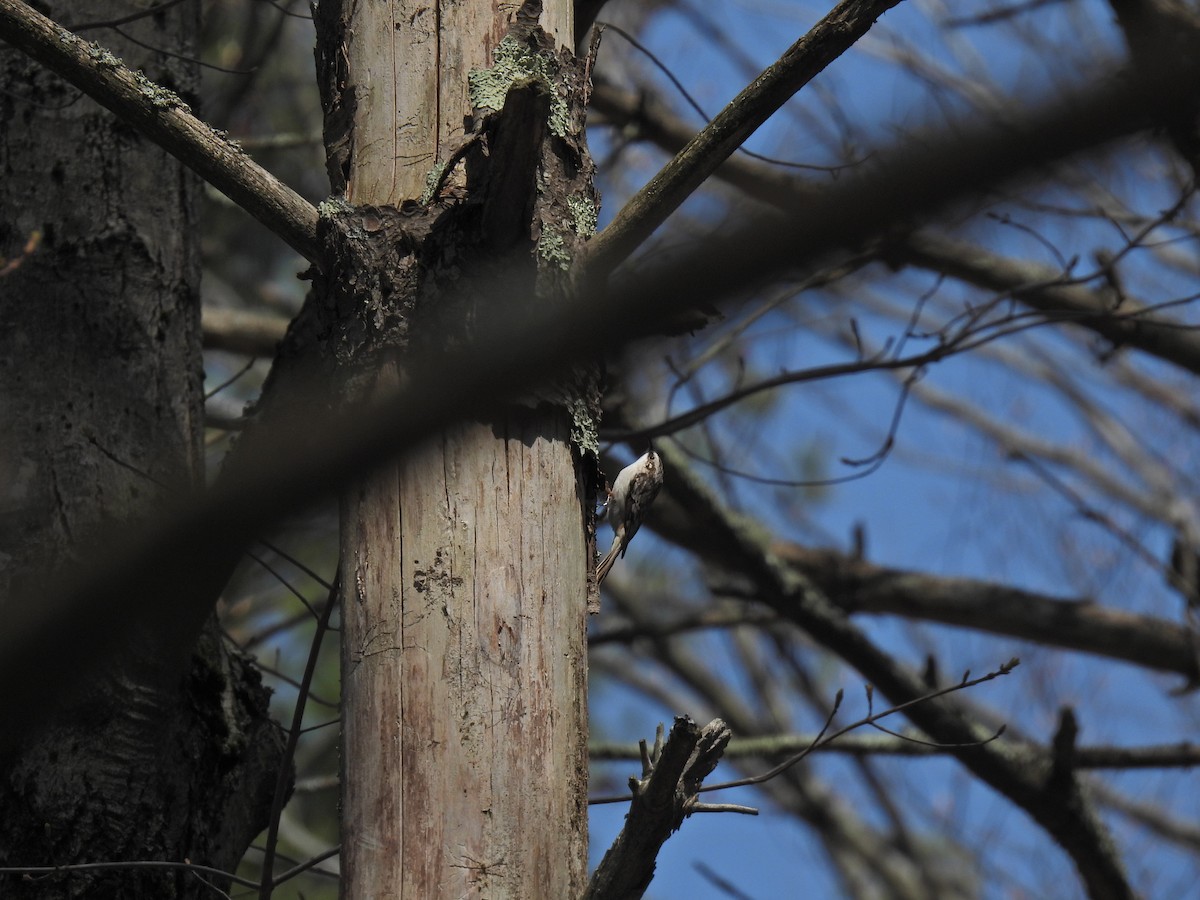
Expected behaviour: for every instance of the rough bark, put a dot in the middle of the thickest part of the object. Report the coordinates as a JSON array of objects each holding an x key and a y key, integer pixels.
[
  {"x": 101, "y": 398},
  {"x": 457, "y": 133}
]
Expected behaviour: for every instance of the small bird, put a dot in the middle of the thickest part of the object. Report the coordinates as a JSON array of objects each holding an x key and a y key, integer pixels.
[{"x": 634, "y": 490}]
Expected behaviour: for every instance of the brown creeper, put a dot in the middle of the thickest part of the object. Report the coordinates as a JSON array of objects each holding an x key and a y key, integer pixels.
[{"x": 634, "y": 490}]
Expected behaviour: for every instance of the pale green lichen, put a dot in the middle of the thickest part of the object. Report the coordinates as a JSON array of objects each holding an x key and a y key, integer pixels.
[
  {"x": 517, "y": 65},
  {"x": 103, "y": 57},
  {"x": 584, "y": 213},
  {"x": 584, "y": 433},
  {"x": 332, "y": 206},
  {"x": 552, "y": 249},
  {"x": 158, "y": 96},
  {"x": 433, "y": 179}
]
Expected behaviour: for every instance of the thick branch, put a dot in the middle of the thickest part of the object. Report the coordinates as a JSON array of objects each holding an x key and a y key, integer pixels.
[
  {"x": 666, "y": 191},
  {"x": 857, "y": 586},
  {"x": 165, "y": 119},
  {"x": 310, "y": 455},
  {"x": 254, "y": 334}
]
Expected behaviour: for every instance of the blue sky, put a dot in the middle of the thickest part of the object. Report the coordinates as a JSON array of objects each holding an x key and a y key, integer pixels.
[{"x": 946, "y": 502}]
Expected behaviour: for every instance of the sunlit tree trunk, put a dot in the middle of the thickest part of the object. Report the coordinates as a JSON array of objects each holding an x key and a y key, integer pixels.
[{"x": 466, "y": 565}]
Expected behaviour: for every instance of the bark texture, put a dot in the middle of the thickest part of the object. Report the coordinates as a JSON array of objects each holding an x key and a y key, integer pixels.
[
  {"x": 457, "y": 132},
  {"x": 158, "y": 758}
]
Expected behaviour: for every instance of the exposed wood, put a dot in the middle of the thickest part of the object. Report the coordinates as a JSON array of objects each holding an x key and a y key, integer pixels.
[
  {"x": 662, "y": 798},
  {"x": 467, "y": 563}
]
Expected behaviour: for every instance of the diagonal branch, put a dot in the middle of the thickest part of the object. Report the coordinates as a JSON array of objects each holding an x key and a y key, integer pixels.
[
  {"x": 164, "y": 118},
  {"x": 310, "y": 454},
  {"x": 666, "y": 191}
]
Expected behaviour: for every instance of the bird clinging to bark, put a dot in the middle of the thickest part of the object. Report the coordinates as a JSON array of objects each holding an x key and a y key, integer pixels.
[{"x": 634, "y": 490}]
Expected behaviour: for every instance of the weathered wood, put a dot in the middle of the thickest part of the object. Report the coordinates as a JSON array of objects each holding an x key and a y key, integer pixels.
[{"x": 466, "y": 564}]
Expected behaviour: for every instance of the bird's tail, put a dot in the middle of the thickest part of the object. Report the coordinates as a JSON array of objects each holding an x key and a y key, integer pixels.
[{"x": 609, "y": 559}]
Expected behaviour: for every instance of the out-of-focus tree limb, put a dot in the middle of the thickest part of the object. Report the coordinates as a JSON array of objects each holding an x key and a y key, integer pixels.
[
  {"x": 857, "y": 586},
  {"x": 308, "y": 454},
  {"x": 1158, "y": 756},
  {"x": 254, "y": 334},
  {"x": 1036, "y": 286}
]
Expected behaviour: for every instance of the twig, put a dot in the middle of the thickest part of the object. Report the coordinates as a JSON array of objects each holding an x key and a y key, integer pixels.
[{"x": 285, "y": 765}]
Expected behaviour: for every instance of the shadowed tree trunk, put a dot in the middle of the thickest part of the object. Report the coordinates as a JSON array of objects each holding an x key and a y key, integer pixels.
[{"x": 102, "y": 409}]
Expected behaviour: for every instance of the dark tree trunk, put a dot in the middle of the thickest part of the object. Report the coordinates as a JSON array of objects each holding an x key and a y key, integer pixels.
[{"x": 158, "y": 758}]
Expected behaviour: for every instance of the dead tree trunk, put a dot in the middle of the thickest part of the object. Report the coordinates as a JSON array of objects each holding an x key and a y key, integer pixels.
[{"x": 455, "y": 135}]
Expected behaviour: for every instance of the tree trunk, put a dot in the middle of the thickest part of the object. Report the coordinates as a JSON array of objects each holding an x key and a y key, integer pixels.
[
  {"x": 467, "y": 566},
  {"x": 102, "y": 405}
]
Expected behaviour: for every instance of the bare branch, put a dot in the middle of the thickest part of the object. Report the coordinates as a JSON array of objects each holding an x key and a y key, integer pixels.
[
  {"x": 666, "y": 191},
  {"x": 164, "y": 118},
  {"x": 859, "y": 586},
  {"x": 1182, "y": 755},
  {"x": 662, "y": 799},
  {"x": 1038, "y": 287},
  {"x": 284, "y": 779},
  {"x": 254, "y": 334}
]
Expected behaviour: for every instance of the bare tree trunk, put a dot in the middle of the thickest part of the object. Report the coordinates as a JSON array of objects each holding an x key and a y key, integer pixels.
[
  {"x": 102, "y": 410},
  {"x": 467, "y": 565}
]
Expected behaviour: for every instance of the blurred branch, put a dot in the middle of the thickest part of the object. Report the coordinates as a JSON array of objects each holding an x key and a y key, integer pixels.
[
  {"x": 1160, "y": 32},
  {"x": 1153, "y": 817},
  {"x": 254, "y": 334},
  {"x": 165, "y": 119},
  {"x": 1039, "y": 287},
  {"x": 735, "y": 616},
  {"x": 306, "y": 453}
]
